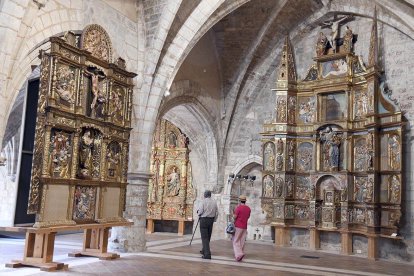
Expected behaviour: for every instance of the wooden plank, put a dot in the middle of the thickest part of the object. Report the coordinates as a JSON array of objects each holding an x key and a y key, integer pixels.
[
  {"x": 181, "y": 228},
  {"x": 372, "y": 248},
  {"x": 346, "y": 243},
  {"x": 314, "y": 239},
  {"x": 150, "y": 226},
  {"x": 282, "y": 236},
  {"x": 38, "y": 245}
]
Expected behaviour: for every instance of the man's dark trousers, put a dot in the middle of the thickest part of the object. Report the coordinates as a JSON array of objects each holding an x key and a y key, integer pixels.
[{"x": 206, "y": 228}]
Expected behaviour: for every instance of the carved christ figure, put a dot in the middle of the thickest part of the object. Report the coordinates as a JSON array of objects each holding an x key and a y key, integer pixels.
[{"x": 334, "y": 25}]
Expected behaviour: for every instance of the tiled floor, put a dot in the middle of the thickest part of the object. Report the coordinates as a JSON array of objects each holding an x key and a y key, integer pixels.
[{"x": 170, "y": 255}]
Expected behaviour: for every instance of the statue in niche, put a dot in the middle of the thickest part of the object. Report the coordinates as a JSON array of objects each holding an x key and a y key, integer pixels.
[
  {"x": 370, "y": 149},
  {"x": 331, "y": 142},
  {"x": 289, "y": 186},
  {"x": 65, "y": 82},
  {"x": 348, "y": 40},
  {"x": 98, "y": 95},
  {"x": 269, "y": 159},
  {"x": 370, "y": 190},
  {"x": 334, "y": 25},
  {"x": 394, "y": 151},
  {"x": 344, "y": 193},
  {"x": 279, "y": 156},
  {"x": 173, "y": 186},
  {"x": 115, "y": 104},
  {"x": 268, "y": 186},
  {"x": 361, "y": 104},
  {"x": 85, "y": 154},
  {"x": 279, "y": 187},
  {"x": 321, "y": 44},
  {"x": 291, "y": 154},
  {"x": 292, "y": 109},
  {"x": 172, "y": 140},
  {"x": 370, "y": 217},
  {"x": 360, "y": 189},
  {"x": 113, "y": 158},
  {"x": 60, "y": 154},
  {"x": 281, "y": 110},
  {"x": 394, "y": 190}
]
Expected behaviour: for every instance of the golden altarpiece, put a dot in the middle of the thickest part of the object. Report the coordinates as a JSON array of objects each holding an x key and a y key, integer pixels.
[
  {"x": 80, "y": 163},
  {"x": 171, "y": 194},
  {"x": 332, "y": 156}
]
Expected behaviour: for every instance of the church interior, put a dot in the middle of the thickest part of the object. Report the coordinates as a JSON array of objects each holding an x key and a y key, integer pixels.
[{"x": 117, "y": 116}]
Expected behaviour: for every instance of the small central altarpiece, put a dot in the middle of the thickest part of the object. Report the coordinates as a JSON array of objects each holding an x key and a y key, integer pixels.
[{"x": 171, "y": 193}]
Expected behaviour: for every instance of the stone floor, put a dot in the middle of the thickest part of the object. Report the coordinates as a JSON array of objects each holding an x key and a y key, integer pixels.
[{"x": 170, "y": 255}]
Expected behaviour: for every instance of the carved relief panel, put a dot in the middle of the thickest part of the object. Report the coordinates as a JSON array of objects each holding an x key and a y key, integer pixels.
[{"x": 82, "y": 132}]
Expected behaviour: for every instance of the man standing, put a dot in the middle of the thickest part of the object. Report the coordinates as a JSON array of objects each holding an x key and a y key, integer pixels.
[
  {"x": 241, "y": 216},
  {"x": 208, "y": 213}
]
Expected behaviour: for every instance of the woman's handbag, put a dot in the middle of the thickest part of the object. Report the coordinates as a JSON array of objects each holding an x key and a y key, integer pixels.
[{"x": 230, "y": 229}]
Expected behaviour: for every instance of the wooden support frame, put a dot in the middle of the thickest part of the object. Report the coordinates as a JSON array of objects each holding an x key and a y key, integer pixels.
[
  {"x": 314, "y": 239},
  {"x": 346, "y": 243},
  {"x": 181, "y": 227},
  {"x": 282, "y": 236},
  {"x": 150, "y": 226},
  {"x": 40, "y": 243},
  {"x": 372, "y": 248}
]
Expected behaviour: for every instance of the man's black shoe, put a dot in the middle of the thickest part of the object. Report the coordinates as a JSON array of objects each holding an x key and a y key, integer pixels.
[{"x": 203, "y": 257}]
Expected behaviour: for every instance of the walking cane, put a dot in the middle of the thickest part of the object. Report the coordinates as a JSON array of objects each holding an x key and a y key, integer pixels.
[{"x": 194, "y": 230}]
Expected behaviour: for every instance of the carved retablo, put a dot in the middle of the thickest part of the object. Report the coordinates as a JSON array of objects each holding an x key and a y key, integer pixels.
[
  {"x": 332, "y": 156},
  {"x": 82, "y": 132},
  {"x": 171, "y": 193}
]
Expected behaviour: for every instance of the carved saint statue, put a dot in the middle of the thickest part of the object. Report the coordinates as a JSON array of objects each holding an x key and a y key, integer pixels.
[
  {"x": 394, "y": 190},
  {"x": 85, "y": 154},
  {"x": 172, "y": 140},
  {"x": 268, "y": 186},
  {"x": 279, "y": 157},
  {"x": 331, "y": 142},
  {"x": 279, "y": 187},
  {"x": 394, "y": 152},
  {"x": 321, "y": 44},
  {"x": 348, "y": 38},
  {"x": 269, "y": 158},
  {"x": 173, "y": 186}
]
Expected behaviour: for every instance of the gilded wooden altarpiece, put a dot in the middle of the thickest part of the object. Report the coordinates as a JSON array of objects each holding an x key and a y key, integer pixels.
[
  {"x": 171, "y": 193},
  {"x": 80, "y": 163},
  {"x": 332, "y": 157}
]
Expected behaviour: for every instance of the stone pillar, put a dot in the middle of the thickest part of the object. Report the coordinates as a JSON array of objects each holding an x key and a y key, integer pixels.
[{"x": 132, "y": 239}]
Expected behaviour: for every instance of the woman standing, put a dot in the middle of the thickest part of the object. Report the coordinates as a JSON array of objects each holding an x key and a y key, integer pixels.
[{"x": 241, "y": 216}]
